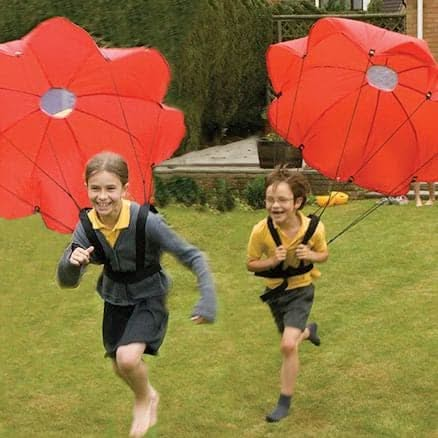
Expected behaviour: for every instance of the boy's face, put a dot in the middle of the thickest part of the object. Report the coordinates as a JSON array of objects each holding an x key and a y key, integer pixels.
[{"x": 280, "y": 202}]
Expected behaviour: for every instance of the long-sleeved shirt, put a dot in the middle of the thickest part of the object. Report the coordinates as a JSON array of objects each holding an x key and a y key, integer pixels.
[{"x": 122, "y": 257}]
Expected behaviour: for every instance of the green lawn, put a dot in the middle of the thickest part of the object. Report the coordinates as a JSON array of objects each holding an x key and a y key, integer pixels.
[{"x": 374, "y": 375}]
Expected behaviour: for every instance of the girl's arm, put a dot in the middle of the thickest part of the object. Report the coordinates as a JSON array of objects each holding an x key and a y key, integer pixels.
[
  {"x": 190, "y": 256},
  {"x": 74, "y": 260}
]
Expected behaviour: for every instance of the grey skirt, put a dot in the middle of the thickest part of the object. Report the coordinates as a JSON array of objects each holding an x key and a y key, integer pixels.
[{"x": 144, "y": 322}]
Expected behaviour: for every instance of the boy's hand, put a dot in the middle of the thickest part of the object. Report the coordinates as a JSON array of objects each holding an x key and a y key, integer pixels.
[
  {"x": 280, "y": 255},
  {"x": 81, "y": 256},
  {"x": 303, "y": 252}
]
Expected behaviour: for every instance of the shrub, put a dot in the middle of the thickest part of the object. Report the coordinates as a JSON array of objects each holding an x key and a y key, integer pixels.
[
  {"x": 223, "y": 196},
  {"x": 184, "y": 189},
  {"x": 255, "y": 193},
  {"x": 161, "y": 192},
  {"x": 375, "y": 6}
]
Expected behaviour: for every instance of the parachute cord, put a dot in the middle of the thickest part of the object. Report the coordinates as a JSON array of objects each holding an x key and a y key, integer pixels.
[
  {"x": 128, "y": 130},
  {"x": 410, "y": 178},
  {"x": 408, "y": 118},
  {"x": 66, "y": 189},
  {"x": 37, "y": 209},
  {"x": 357, "y": 220},
  {"x": 350, "y": 125},
  {"x": 37, "y": 166},
  {"x": 157, "y": 124},
  {"x": 289, "y": 122}
]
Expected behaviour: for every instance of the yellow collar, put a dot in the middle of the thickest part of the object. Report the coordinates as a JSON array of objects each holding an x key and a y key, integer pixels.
[{"x": 122, "y": 221}]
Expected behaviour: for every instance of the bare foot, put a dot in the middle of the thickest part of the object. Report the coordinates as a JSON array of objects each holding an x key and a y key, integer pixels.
[
  {"x": 429, "y": 202},
  {"x": 145, "y": 415},
  {"x": 155, "y": 399},
  {"x": 418, "y": 204}
]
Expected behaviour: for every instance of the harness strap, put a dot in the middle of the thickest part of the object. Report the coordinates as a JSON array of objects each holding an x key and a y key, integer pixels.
[
  {"x": 141, "y": 271},
  {"x": 278, "y": 271}
]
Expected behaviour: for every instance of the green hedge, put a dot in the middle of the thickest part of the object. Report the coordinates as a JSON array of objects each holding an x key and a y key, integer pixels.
[{"x": 215, "y": 48}]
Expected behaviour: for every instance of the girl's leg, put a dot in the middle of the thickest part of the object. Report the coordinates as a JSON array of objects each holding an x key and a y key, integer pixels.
[
  {"x": 130, "y": 367},
  {"x": 418, "y": 201},
  {"x": 431, "y": 194}
]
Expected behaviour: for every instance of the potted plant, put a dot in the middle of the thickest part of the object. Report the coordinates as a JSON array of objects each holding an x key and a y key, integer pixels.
[{"x": 273, "y": 150}]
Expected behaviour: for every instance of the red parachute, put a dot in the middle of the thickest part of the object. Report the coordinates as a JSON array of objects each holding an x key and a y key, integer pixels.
[
  {"x": 360, "y": 101},
  {"x": 63, "y": 99}
]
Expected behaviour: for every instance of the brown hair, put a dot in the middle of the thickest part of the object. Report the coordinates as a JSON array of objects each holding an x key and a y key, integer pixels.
[
  {"x": 110, "y": 162},
  {"x": 297, "y": 182}
]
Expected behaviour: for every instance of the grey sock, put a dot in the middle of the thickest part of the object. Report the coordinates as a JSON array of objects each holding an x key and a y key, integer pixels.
[
  {"x": 281, "y": 410},
  {"x": 313, "y": 334}
]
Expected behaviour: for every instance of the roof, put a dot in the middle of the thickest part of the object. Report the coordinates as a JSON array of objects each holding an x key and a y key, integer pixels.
[{"x": 393, "y": 5}]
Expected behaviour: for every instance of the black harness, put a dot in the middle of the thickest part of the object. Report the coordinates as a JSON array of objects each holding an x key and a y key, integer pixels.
[
  {"x": 290, "y": 271},
  {"x": 141, "y": 271}
]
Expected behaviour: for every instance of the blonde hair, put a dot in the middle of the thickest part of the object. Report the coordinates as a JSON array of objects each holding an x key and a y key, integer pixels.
[
  {"x": 296, "y": 181},
  {"x": 109, "y": 162}
]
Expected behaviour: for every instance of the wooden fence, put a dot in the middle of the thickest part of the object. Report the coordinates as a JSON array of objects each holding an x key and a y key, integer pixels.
[{"x": 289, "y": 27}]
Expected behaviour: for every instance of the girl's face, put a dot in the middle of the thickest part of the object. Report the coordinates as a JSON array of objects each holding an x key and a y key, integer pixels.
[
  {"x": 105, "y": 191},
  {"x": 280, "y": 202}
]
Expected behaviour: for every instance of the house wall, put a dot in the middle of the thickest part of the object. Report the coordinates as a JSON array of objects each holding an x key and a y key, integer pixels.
[{"x": 430, "y": 22}]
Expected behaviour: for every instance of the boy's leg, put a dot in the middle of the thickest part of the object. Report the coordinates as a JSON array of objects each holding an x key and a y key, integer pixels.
[
  {"x": 290, "y": 341},
  {"x": 130, "y": 367}
]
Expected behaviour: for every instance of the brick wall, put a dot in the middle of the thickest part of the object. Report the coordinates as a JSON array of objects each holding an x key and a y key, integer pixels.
[
  {"x": 320, "y": 185},
  {"x": 430, "y": 22}
]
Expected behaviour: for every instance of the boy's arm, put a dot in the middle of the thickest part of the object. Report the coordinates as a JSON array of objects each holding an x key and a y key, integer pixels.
[{"x": 259, "y": 265}]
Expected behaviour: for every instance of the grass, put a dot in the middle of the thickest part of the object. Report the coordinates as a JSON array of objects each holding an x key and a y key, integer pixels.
[{"x": 375, "y": 374}]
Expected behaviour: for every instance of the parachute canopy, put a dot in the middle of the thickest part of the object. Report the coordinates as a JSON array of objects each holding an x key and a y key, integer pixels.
[
  {"x": 360, "y": 101},
  {"x": 62, "y": 100}
]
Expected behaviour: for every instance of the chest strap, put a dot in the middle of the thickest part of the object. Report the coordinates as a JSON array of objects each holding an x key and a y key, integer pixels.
[
  {"x": 290, "y": 271},
  {"x": 141, "y": 271}
]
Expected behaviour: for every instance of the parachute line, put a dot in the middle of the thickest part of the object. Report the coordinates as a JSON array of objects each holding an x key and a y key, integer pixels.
[{"x": 129, "y": 133}]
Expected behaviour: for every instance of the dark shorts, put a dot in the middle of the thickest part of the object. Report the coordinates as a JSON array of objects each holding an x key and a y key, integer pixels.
[
  {"x": 293, "y": 308},
  {"x": 145, "y": 322}
]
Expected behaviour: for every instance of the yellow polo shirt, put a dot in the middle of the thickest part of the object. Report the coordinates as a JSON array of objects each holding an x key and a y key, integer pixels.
[
  {"x": 111, "y": 234},
  {"x": 261, "y": 245}
]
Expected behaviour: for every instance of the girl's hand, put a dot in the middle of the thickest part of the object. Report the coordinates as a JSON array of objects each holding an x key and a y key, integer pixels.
[
  {"x": 303, "y": 252},
  {"x": 197, "y": 319},
  {"x": 81, "y": 256}
]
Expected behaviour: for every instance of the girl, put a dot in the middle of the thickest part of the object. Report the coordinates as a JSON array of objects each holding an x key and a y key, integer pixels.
[
  {"x": 283, "y": 248},
  {"x": 128, "y": 240}
]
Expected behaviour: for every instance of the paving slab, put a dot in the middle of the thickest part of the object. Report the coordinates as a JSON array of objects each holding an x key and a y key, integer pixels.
[{"x": 242, "y": 153}]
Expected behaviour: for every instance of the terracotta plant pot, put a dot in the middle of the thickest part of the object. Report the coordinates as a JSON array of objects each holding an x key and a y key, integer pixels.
[{"x": 273, "y": 153}]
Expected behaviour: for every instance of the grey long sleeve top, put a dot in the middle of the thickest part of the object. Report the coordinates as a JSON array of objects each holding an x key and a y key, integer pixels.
[{"x": 159, "y": 238}]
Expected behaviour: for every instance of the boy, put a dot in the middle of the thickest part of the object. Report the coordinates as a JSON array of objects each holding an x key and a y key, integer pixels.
[{"x": 288, "y": 268}]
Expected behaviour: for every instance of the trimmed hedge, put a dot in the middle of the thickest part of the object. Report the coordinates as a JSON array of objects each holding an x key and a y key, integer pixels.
[{"x": 215, "y": 48}]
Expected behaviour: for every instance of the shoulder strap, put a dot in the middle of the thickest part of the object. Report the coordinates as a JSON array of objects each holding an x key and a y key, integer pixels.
[
  {"x": 314, "y": 220},
  {"x": 278, "y": 271},
  {"x": 140, "y": 236},
  {"x": 274, "y": 232},
  {"x": 91, "y": 234}
]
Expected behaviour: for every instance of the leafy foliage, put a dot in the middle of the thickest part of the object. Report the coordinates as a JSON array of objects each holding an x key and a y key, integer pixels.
[
  {"x": 375, "y": 6},
  {"x": 215, "y": 49},
  {"x": 255, "y": 193}
]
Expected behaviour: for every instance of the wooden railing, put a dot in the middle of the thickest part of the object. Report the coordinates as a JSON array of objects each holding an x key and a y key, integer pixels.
[{"x": 289, "y": 27}]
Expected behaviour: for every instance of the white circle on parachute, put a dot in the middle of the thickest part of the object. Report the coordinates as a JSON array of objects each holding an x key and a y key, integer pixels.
[
  {"x": 382, "y": 78},
  {"x": 58, "y": 102}
]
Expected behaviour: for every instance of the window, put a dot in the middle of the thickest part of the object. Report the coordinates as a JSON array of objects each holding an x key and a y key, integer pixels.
[{"x": 357, "y": 5}]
